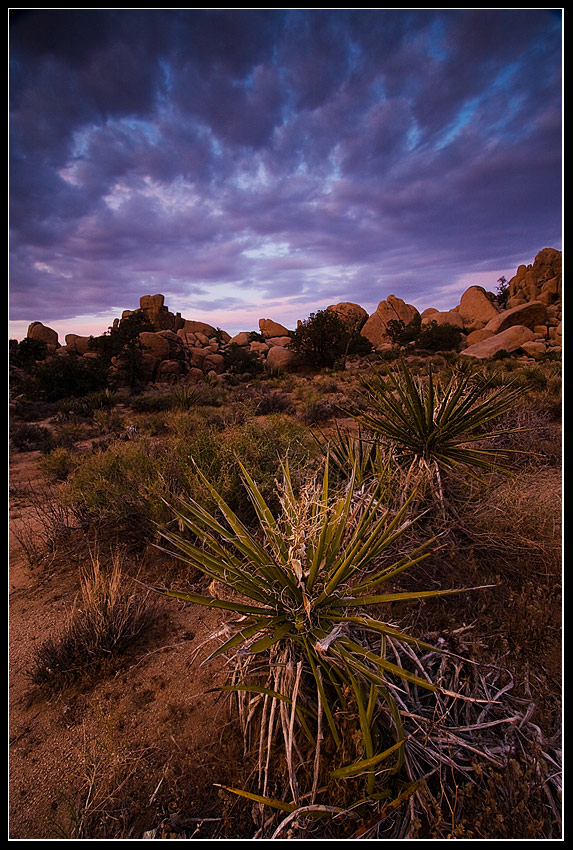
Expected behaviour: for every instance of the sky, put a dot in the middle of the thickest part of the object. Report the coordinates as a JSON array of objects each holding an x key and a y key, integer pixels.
[{"x": 268, "y": 163}]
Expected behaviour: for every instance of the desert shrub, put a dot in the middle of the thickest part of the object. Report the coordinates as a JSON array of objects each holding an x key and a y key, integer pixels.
[
  {"x": 324, "y": 339},
  {"x": 26, "y": 354},
  {"x": 121, "y": 489},
  {"x": 58, "y": 463},
  {"x": 106, "y": 621},
  {"x": 181, "y": 397},
  {"x": 125, "y": 335},
  {"x": 435, "y": 337},
  {"x": 260, "y": 446},
  {"x": 401, "y": 333},
  {"x": 151, "y": 402},
  {"x": 25, "y": 437},
  {"x": 109, "y": 490},
  {"x": 317, "y": 411},
  {"x": 102, "y": 399},
  {"x": 31, "y": 410},
  {"x": 271, "y": 402},
  {"x": 70, "y": 376},
  {"x": 238, "y": 360},
  {"x": 107, "y": 420}
]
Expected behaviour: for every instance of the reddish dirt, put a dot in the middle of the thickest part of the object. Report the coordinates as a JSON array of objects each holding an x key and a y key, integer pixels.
[{"x": 137, "y": 753}]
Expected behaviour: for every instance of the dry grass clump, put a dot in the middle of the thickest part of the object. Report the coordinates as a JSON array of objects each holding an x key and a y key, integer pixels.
[{"x": 107, "y": 619}]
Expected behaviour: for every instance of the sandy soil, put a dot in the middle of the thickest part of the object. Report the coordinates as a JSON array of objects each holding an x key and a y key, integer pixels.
[{"x": 135, "y": 753}]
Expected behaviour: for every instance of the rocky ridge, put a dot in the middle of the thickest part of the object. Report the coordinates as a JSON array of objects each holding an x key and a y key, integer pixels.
[{"x": 179, "y": 349}]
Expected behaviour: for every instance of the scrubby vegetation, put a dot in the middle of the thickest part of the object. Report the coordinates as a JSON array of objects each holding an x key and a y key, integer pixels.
[
  {"x": 325, "y": 339},
  {"x": 389, "y": 591},
  {"x": 107, "y": 620}
]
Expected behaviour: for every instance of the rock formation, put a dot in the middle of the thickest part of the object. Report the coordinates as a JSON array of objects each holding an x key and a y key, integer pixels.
[
  {"x": 353, "y": 314},
  {"x": 44, "y": 334},
  {"x": 185, "y": 349},
  {"x": 392, "y": 308},
  {"x": 538, "y": 282}
]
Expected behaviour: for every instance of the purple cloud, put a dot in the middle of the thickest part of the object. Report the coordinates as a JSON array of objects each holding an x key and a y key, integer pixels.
[{"x": 277, "y": 157}]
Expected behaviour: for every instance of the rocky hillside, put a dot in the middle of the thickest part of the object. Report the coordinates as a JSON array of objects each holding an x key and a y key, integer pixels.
[{"x": 526, "y": 316}]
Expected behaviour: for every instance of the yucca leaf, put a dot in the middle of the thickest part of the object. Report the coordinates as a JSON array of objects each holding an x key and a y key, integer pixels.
[
  {"x": 243, "y": 635},
  {"x": 324, "y": 699},
  {"x": 389, "y": 573},
  {"x": 257, "y": 798},
  {"x": 266, "y": 518},
  {"x": 365, "y": 725},
  {"x": 211, "y": 602},
  {"x": 384, "y": 629},
  {"x": 219, "y": 568},
  {"x": 318, "y": 554},
  {"x": 354, "y": 601},
  {"x": 345, "y": 644},
  {"x": 365, "y": 764},
  {"x": 255, "y": 689},
  {"x": 269, "y": 640},
  {"x": 242, "y": 539}
]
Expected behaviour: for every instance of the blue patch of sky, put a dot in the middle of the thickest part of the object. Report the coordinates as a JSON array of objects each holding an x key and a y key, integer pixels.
[
  {"x": 437, "y": 46},
  {"x": 147, "y": 128},
  {"x": 463, "y": 118}
]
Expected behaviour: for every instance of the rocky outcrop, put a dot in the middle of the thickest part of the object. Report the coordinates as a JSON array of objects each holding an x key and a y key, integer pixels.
[
  {"x": 530, "y": 314},
  {"x": 179, "y": 349},
  {"x": 153, "y": 306},
  {"x": 281, "y": 359},
  {"x": 444, "y": 317},
  {"x": 508, "y": 340},
  {"x": 268, "y": 328},
  {"x": 541, "y": 281},
  {"x": 77, "y": 344},
  {"x": 41, "y": 332},
  {"x": 353, "y": 315},
  {"x": 476, "y": 307},
  {"x": 392, "y": 308}
]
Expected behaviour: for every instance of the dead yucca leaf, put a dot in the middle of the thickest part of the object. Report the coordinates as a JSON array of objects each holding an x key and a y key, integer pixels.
[{"x": 299, "y": 584}]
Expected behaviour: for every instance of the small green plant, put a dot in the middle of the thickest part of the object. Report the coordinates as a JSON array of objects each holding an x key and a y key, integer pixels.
[
  {"x": 300, "y": 584},
  {"x": 359, "y": 452}
]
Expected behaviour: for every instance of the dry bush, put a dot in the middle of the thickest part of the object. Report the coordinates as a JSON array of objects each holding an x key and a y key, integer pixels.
[{"x": 107, "y": 619}]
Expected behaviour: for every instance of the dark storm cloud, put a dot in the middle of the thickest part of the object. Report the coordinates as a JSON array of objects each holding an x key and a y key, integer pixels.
[{"x": 295, "y": 154}]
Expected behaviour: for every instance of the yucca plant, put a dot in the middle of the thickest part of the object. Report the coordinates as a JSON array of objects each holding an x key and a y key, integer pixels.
[
  {"x": 437, "y": 426},
  {"x": 304, "y": 651},
  {"x": 360, "y": 452}
]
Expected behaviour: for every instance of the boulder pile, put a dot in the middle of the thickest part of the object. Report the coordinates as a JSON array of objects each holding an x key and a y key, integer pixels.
[{"x": 177, "y": 349}]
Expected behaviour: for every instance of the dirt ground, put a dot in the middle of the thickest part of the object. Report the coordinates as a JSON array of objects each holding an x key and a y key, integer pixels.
[
  {"x": 135, "y": 754},
  {"x": 140, "y": 752}
]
